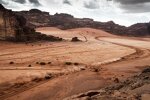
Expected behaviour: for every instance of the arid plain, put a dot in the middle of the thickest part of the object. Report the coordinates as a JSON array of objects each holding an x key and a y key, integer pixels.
[{"x": 74, "y": 67}]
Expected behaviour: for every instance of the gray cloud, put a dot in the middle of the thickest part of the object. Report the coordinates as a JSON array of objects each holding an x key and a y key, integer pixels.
[
  {"x": 35, "y": 2},
  {"x": 134, "y": 6},
  {"x": 132, "y": 1},
  {"x": 125, "y": 12},
  {"x": 93, "y": 4},
  {"x": 20, "y": 1},
  {"x": 3, "y": 2},
  {"x": 67, "y": 2}
]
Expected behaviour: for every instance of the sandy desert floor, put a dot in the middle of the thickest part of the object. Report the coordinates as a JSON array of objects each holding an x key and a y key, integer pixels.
[{"x": 94, "y": 63}]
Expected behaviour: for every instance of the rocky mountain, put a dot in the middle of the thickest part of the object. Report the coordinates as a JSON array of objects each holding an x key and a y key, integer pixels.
[
  {"x": 14, "y": 27},
  {"x": 37, "y": 18}
]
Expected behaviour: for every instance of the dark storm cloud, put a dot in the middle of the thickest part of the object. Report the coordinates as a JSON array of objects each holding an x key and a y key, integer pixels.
[
  {"x": 67, "y": 2},
  {"x": 20, "y": 1},
  {"x": 132, "y": 1},
  {"x": 93, "y": 4},
  {"x": 134, "y": 6},
  {"x": 35, "y": 2}
]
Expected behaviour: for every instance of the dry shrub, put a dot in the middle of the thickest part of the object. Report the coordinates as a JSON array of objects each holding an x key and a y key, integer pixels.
[
  {"x": 42, "y": 63},
  {"x": 75, "y": 39},
  {"x": 29, "y": 65},
  {"x": 68, "y": 63},
  {"x": 11, "y": 62},
  {"x": 49, "y": 62},
  {"x": 76, "y": 64}
]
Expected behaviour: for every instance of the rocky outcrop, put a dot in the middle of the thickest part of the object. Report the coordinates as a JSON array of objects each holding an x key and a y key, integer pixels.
[
  {"x": 134, "y": 88},
  {"x": 8, "y": 24},
  {"x": 14, "y": 27},
  {"x": 37, "y": 18}
]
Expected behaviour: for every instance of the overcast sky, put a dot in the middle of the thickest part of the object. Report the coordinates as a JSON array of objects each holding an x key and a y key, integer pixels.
[{"x": 124, "y": 12}]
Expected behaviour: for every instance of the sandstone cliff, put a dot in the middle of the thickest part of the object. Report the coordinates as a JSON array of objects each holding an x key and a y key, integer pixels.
[
  {"x": 37, "y": 18},
  {"x": 13, "y": 27}
]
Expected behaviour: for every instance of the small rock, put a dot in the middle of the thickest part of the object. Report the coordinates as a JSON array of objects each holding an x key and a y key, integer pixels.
[
  {"x": 147, "y": 70},
  {"x": 116, "y": 80}
]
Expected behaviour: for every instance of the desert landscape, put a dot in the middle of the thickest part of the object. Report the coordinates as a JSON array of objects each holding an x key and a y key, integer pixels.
[{"x": 77, "y": 63}]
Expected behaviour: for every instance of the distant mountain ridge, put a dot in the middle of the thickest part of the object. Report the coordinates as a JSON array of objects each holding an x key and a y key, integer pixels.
[{"x": 37, "y": 18}]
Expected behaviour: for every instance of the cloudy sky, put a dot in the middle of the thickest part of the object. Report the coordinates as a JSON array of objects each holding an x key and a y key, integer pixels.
[{"x": 124, "y": 12}]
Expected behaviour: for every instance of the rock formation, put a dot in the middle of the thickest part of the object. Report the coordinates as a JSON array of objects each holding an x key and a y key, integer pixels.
[
  {"x": 7, "y": 24},
  {"x": 13, "y": 27},
  {"x": 37, "y": 18},
  {"x": 134, "y": 88}
]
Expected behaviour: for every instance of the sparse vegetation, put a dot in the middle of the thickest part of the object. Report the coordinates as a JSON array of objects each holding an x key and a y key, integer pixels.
[
  {"x": 49, "y": 62},
  {"x": 29, "y": 65},
  {"x": 76, "y": 63},
  {"x": 75, "y": 39},
  {"x": 82, "y": 68},
  {"x": 42, "y": 63},
  {"x": 11, "y": 62},
  {"x": 68, "y": 63}
]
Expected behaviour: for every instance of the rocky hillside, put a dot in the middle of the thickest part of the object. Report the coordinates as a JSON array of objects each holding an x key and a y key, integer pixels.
[
  {"x": 134, "y": 88},
  {"x": 37, "y": 18},
  {"x": 14, "y": 27}
]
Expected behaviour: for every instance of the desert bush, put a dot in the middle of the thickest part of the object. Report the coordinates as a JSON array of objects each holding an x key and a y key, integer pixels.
[
  {"x": 11, "y": 62},
  {"x": 42, "y": 63},
  {"x": 75, "y": 39},
  {"x": 29, "y": 65},
  {"x": 68, "y": 63},
  {"x": 49, "y": 62},
  {"x": 82, "y": 68},
  {"x": 37, "y": 62},
  {"x": 76, "y": 64}
]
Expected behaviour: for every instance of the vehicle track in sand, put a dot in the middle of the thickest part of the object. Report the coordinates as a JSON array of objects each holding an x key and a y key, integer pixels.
[{"x": 139, "y": 54}]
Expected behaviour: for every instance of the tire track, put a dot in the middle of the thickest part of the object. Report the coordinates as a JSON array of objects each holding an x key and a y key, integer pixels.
[
  {"x": 139, "y": 54},
  {"x": 49, "y": 55},
  {"x": 33, "y": 50}
]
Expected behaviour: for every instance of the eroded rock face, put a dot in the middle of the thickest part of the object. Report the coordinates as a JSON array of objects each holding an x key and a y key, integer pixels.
[
  {"x": 37, "y": 18},
  {"x": 8, "y": 22},
  {"x": 15, "y": 28}
]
